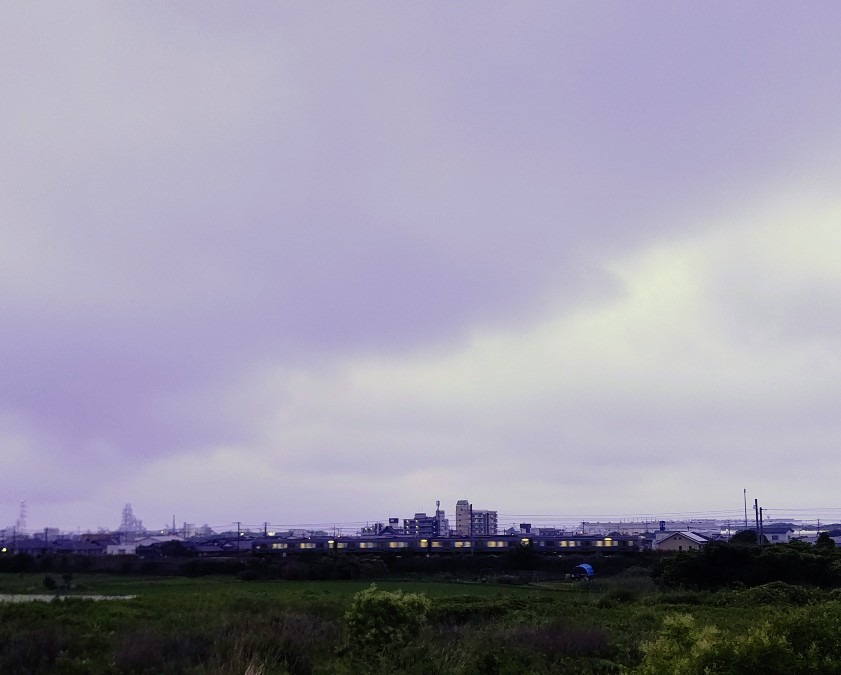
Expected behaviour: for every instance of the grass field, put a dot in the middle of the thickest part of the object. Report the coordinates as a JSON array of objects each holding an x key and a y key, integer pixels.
[{"x": 225, "y": 625}]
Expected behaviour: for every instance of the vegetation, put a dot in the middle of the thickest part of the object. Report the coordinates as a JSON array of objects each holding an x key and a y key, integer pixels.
[
  {"x": 501, "y": 620},
  {"x": 382, "y": 621},
  {"x": 723, "y": 565}
]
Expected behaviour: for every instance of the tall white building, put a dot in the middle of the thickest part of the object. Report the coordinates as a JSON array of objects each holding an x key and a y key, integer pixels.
[
  {"x": 462, "y": 517},
  {"x": 474, "y": 522}
]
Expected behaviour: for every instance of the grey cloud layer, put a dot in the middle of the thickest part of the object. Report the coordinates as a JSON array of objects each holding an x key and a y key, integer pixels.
[{"x": 192, "y": 194}]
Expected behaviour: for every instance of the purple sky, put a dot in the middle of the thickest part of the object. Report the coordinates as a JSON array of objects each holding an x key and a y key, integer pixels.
[{"x": 330, "y": 262}]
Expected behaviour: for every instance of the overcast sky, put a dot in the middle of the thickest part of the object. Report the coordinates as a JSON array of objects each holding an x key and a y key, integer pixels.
[{"x": 330, "y": 262}]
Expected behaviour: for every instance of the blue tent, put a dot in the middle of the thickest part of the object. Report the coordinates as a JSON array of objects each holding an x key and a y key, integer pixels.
[{"x": 583, "y": 571}]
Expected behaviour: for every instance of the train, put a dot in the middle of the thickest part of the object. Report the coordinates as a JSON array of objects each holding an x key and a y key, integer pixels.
[{"x": 485, "y": 544}]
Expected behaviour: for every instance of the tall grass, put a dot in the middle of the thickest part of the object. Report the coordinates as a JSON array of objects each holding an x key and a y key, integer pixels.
[{"x": 229, "y": 627}]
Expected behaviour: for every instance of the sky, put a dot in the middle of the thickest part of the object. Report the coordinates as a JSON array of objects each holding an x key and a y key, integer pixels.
[{"x": 326, "y": 263}]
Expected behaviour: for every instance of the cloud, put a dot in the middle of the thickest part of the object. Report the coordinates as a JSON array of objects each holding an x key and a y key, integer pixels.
[
  {"x": 403, "y": 246},
  {"x": 649, "y": 384}
]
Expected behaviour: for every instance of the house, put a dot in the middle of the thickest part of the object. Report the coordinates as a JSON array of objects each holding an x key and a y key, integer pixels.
[
  {"x": 778, "y": 534},
  {"x": 78, "y": 547},
  {"x": 30, "y": 546},
  {"x": 680, "y": 541},
  {"x": 130, "y": 548}
]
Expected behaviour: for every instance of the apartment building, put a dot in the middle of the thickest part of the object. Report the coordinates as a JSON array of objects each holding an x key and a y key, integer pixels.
[{"x": 474, "y": 522}]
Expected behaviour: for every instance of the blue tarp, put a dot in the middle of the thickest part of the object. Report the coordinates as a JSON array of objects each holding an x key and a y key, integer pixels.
[{"x": 584, "y": 569}]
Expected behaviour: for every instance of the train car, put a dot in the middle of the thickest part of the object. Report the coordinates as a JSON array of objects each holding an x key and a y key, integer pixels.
[{"x": 487, "y": 544}]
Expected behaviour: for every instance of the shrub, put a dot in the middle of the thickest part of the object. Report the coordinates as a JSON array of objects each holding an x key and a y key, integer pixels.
[
  {"x": 558, "y": 639},
  {"x": 814, "y": 632},
  {"x": 377, "y": 620},
  {"x": 684, "y": 648},
  {"x": 617, "y": 596},
  {"x": 777, "y": 593},
  {"x": 678, "y": 646}
]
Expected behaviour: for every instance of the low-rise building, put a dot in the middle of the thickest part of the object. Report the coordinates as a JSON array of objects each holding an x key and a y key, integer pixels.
[{"x": 680, "y": 541}]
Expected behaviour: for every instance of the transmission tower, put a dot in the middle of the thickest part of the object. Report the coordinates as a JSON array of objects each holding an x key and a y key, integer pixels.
[{"x": 20, "y": 525}]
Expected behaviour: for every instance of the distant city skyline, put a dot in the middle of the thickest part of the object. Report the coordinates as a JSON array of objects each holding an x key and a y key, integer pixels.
[
  {"x": 504, "y": 520},
  {"x": 305, "y": 263}
]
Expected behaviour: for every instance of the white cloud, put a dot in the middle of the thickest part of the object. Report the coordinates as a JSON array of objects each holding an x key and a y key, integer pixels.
[{"x": 646, "y": 387}]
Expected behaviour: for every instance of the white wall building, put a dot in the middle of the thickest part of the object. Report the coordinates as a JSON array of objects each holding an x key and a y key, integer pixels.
[{"x": 474, "y": 522}]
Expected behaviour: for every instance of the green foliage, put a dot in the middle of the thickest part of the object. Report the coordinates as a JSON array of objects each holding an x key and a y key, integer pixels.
[
  {"x": 776, "y": 593},
  {"x": 617, "y": 596},
  {"x": 746, "y": 538},
  {"x": 380, "y": 620},
  {"x": 825, "y": 542},
  {"x": 720, "y": 565},
  {"x": 804, "y": 641},
  {"x": 684, "y": 648},
  {"x": 50, "y": 583},
  {"x": 220, "y": 625},
  {"x": 681, "y": 647}
]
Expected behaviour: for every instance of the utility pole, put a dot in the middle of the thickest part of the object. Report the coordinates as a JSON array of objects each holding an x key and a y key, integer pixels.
[
  {"x": 471, "y": 530},
  {"x": 239, "y": 523},
  {"x": 761, "y": 536},
  {"x": 756, "y": 509},
  {"x": 746, "y": 508}
]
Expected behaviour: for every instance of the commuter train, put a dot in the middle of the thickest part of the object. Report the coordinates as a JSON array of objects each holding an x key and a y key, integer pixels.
[{"x": 487, "y": 544}]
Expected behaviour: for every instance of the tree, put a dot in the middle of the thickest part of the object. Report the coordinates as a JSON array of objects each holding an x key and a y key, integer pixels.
[
  {"x": 825, "y": 542},
  {"x": 746, "y": 538}
]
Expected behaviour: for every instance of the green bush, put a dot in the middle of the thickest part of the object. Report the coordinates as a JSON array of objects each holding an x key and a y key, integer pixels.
[
  {"x": 379, "y": 620},
  {"x": 684, "y": 648},
  {"x": 777, "y": 593},
  {"x": 805, "y": 641},
  {"x": 679, "y": 647},
  {"x": 617, "y": 596}
]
